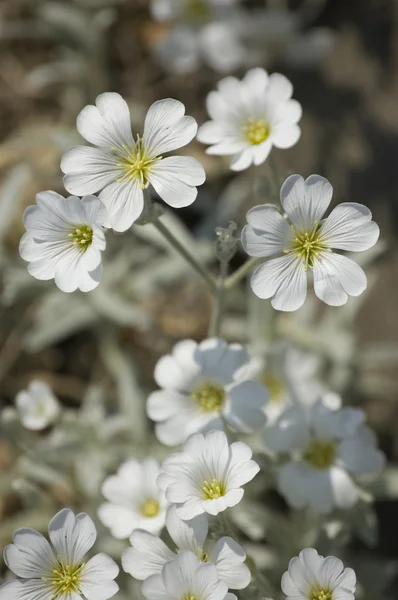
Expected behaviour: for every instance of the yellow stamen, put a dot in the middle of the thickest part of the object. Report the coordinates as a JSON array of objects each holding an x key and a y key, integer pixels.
[
  {"x": 136, "y": 163},
  {"x": 275, "y": 387},
  {"x": 150, "y": 508},
  {"x": 213, "y": 490},
  {"x": 319, "y": 594},
  {"x": 65, "y": 579},
  {"x": 308, "y": 245},
  {"x": 82, "y": 237},
  {"x": 319, "y": 454},
  {"x": 256, "y": 132},
  {"x": 209, "y": 397}
]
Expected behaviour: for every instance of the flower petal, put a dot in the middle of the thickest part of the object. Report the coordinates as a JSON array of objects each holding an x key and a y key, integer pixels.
[
  {"x": 97, "y": 578},
  {"x": 30, "y": 555},
  {"x": 285, "y": 135},
  {"x": 335, "y": 276},
  {"x": 124, "y": 202},
  {"x": 244, "y": 406},
  {"x": 166, "y": 128},
  {"x": 242, "y": 160},
  {"x": 72, "y": 536},
  {"x": 350, "y": 227},
  {"x": 268, "y": 232},
  {"x": 108, "y": 123},
  {"x": 29, "y": 589},
  {"x": 171, "y": 189},
  {"x": 187, "y": 535},
  {"x": 88, "y": 170},
  {"x": 228, "y": 557},
  {"x": 279, "y": 88},
  {"x": 284, "y": 279},
  {"x": 147, "y": 556},
  {"x": 305, "y": 202}
]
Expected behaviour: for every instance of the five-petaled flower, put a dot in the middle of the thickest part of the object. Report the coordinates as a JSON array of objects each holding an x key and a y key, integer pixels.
[
  {"x": 64, "y": 240},
  {"x": 310, "y": 576},
  {"x": 305, "y": 241},
  {"x": 326, "y": 449},
  {"x": 207, "y": 476},
  {"x": 134, "y": 500},
  {"x": 121, "y": 167},
  {"x": 37, "y": 406},
  {"x": 63, "y": 575},
  {"x": 202, "y": 391},
  {"x": 251, "y": 116}
]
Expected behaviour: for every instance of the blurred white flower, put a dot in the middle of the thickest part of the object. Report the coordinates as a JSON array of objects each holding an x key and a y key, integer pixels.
[
  {"x": 291, "y": 376},
  {"x": 64, "y": 240},
  {"x": 201, "y": 390},
  {"x": 37, "y": 406},
  {"x": 251, "y": 116},
  {"x": 186, "y": 577},
  {"x": 134, "y": 499},
  {"x": 149, "y": 553},
  {"x": 327, "y": 448},
  {"x": 308, "y": 241},
  {"x": 121, "y": 168},
  {"x": 217, "y": 44},
  {"x": 61, "y": 574},
  {"x": 207, "y": 475},
  {"x": 310, "y": 576}
]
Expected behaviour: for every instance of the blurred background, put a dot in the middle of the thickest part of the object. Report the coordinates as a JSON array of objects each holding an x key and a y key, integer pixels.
[{"x": 100, "y": 348}]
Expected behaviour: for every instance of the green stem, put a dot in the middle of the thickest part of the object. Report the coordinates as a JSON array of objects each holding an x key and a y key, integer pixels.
[
  {"x": 201, "y": 271},
  {"x": 218, "y": 306},
  {"x": 240, "y": 273}
]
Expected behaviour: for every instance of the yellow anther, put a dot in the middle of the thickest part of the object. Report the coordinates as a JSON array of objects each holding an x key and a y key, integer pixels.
[
  {"x": 320, "y": 454},
  {"x": 213, "y": 490},
  {"x": 82, "y": 236},
  {"x": 150, "y": 508},
  {"x": 256, "y": 131},
  {"x": 209, "y": 397}
]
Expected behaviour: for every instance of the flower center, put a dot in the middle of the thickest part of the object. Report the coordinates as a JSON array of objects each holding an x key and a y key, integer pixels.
[
  {"x": 317, "y": 594},
  {"x": 256, "y": 132},
  {"x": 320, "y": 455},
  {"x": 197, "y": 10},
  {"x": 150, "y": 508},
  {"x": 65, "y": 579},
  {"x": 136, "y": 163},
  {"x": 82, "y": 237},
  {"x": 214, "y": 489},
  {"x": 308, "y": 245},
  {"x": 209, "y": 397},
  {"x": 275, "y": 387},
  {"x": 203, "y": 556}
]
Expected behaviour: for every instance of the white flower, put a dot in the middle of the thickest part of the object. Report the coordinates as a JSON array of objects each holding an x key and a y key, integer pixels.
[
  {"x": 201, "y": 391},
  {"x": 207, "y": 475},
  {"x": 64, "y": 240},
  {"x": 149, "y": 553},
  {"x": 308, "y": 241},
  {"x": 120, "y": 168},
  {"x": 37, "y": 406},
  {"x": 186, "y": 577},
  {"x": 313, "y": 577},
  {"x": 134, "y": 500},
  {"x": 251, "y": 116},
  {"x": 327, "y": 448},
  {"x": 62, "y": 573},
  {"x": 290, "y": 375}
]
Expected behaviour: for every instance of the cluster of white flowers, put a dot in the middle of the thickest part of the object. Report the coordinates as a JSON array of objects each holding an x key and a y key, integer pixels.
[{"x": 210, "y": 391}]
